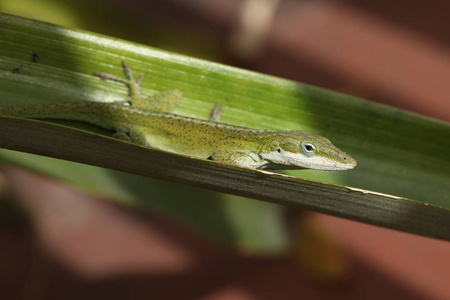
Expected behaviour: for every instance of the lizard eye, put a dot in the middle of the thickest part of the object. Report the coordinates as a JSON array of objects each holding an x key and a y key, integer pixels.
[{"x": 308, "y": 149}]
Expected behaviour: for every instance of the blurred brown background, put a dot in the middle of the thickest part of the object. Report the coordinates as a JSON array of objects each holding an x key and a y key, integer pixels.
[{"x": 79, "y": 247}]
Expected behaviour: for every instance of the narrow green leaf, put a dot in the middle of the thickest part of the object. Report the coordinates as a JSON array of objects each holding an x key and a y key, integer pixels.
[{"x": 398, "y": 152}]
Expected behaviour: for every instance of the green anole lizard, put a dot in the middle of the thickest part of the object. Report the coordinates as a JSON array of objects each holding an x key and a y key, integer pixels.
[{"x": 149, "y": 122}]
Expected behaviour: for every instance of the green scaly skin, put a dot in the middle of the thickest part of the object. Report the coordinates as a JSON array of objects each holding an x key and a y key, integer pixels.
[{"x": 148, "y": 122}]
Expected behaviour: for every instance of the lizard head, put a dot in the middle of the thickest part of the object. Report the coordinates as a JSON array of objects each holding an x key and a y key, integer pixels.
[{"x": 300, "y": 150}]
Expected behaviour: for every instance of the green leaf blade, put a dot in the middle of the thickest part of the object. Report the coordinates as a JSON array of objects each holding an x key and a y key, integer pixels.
[{"x": 398, "y": 153}]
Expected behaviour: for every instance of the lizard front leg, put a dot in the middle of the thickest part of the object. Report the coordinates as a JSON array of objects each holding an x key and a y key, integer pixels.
[
  {"x": 216, "y": 113},
  {"x": 241, "y": 158}
]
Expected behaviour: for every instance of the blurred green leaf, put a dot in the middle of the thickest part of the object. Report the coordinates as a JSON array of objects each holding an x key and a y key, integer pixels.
[{"x": 398, "y": 152}]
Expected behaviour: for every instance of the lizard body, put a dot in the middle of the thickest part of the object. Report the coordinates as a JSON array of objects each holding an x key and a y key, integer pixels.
[{"x": 150, "y": 123}]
